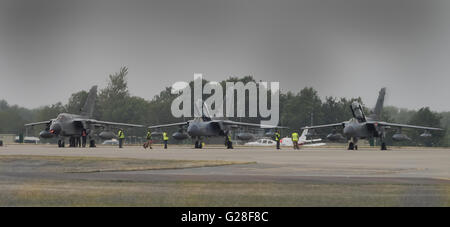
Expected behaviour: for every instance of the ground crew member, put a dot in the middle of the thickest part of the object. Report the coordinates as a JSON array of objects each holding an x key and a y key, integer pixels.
[
  {"x": 149, "y": 140},
  {"x": 83, "y": 137},
  {"x": 277, "y": 139},
  {"x": 165, "y": 138},
  {"x": 228, "y": 142},
  {"x": 72, "y": 141},
  {"x": 121, "y": 136},
  {"x": 77, "y": 141},
  {"x": 295, "y": 140}
]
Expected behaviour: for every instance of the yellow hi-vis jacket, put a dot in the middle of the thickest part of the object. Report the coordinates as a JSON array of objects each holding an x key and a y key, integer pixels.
[
  {"x": 277, "y": 136},
  {"x": 165, "y": 137},
  {"x": 120, "y": 134},
  {"x": 294, "y": 136}
]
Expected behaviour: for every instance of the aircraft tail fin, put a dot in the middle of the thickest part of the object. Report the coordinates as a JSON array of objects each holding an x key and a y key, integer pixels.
[
  {"x": 206, "y": 112},
  {"x": 303, "y": 135},
  {"x": 88, "y": 108},
  {"x": 379, "y": 105}
]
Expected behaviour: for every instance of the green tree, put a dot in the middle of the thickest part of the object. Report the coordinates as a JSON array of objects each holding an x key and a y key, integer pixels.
[
  {"x": 425, "y": 117},
  {"x": 296, "y": 110},
  {"x": 12, "y": 118},
  {"x": 76, "y": 102},
  {"x": 49, "y": 112},
  {"x": 112, "y": 100}
]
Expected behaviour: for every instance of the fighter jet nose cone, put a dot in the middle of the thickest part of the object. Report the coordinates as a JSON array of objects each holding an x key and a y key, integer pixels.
[{"x": 55, "y": 128}]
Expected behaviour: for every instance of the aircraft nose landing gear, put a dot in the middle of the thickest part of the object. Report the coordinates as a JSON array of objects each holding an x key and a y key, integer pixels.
[
  {"x": 352, "y": 145},
  {"x": 198, "y": 144},
  {"x": 383, "y": 146}
]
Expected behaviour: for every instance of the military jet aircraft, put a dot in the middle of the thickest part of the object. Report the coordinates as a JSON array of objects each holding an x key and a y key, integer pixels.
[
  {"x": 205, "y": 126},
  {"x": 71, "y": 125},
  {"x": 362, "y": 127}
]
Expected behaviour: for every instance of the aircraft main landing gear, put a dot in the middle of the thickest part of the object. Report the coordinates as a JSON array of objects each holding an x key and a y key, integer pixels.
[
  {"x": 92, "y": 143},
  {"x": 198, "y": 144},
  {"x": 383, "y": 146},
  {"x": 351, "y": 146}
]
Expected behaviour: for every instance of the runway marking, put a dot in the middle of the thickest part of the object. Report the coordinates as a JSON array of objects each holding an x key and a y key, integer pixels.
[
  {"x": 158, "y": 168},
  {"x": 441, "y": 178},
  {"x": 70, "y": 164}
]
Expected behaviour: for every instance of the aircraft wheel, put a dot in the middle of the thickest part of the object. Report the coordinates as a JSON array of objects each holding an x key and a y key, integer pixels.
[
  {"x": 92, "y": 143},
  {"x": 351, "y": 146},
  {"x": 200, "y": 145},
  {"x": 356, "y": 147},
  {"x": 383, "y": 146}
]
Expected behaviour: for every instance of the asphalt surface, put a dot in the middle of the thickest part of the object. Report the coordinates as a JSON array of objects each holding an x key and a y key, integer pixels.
[
  {"x": 320, "y": 165},
  {"x": 430, "y": 163}
]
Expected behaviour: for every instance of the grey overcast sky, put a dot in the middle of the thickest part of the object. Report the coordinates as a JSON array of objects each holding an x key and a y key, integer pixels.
[{"x": 50, "y": 49}]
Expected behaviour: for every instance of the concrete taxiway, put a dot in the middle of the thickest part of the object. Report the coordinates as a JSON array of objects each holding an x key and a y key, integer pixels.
[
  {"x": 367, "y": 177},
  {"x": 368, "y": 162}
]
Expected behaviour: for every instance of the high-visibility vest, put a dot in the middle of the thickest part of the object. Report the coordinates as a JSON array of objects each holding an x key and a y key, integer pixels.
[
  {"x": 294, "y": 136},
  {"x": 277, "y": 136},
  {"x": 229, "y": 138},
  {"x": 149, "y": 135},
  {"x": 121, "y": 135},
  {"x": 165, "y": 137}
]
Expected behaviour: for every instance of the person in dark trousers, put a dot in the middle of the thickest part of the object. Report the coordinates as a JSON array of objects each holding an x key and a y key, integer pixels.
[
  {"x": 277, "y": 139},
  {"x": 166, "y": 139},
  {"x": 78, "y": 141},
  {"x": 121, "y": 137},
  {"x": 83, "y": 137},
  {"x": 295, "y": 140},
  {"x": 228, "y": 142},
  {"x": 72, "y": 141}
]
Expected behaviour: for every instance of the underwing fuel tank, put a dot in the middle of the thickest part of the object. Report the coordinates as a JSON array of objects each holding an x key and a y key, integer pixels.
[
  {"x": 157, "y": 133},
  {"x": 269, "y": 134},
  {"x": 245, "y": 136},
  {"x": 400, "y": 137},
  {"x": 425, "y": 134},
  {"x": 335, "y": 137},
  {"x": 180, "y": 136},
  {"x": 46, "y": 134},
  {"x": 106, "y": 135}
]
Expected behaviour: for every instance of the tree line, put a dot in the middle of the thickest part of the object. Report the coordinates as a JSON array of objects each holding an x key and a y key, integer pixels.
[{"x": 297, "y": 109}]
